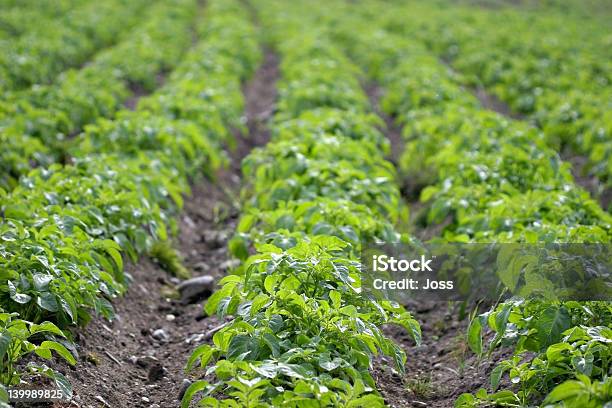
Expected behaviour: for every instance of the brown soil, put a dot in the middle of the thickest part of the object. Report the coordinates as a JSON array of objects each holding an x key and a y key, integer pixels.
[
  {"x": 587, "y": 181},
  {"x": 138, "y": 91},
  {"x": 409, "y": 187},
  {"x": 392, "y": 130},
  {"x": 120, "y": 363},
  {"x": 492, "y": 102}
]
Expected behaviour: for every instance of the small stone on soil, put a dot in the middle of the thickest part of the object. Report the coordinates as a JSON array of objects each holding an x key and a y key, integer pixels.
[
  {"x": 195, "y": 338},
  {"x": 161, "y": 335},
  {"x": 186, "y": 383},
  {"x": 201, "y": 267},
  {"x": 99, "y": 398},
  {"x": 195, "y": 289},
  {"x": 229, "y": 264},
  {"x": 146, "y": 361}
]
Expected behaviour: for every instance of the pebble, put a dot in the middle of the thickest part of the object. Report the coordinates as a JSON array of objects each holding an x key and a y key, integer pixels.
[
  {"x": 229, "y": 264},
  {"x": 146, "y": 361},
  {"x": 99, "y": 398},
  {"x": 170, "y": 317},
  {"x": 195, "y": 289},
  {"x": 195, "y": 338},
  {"x": 201, "y": 267},
  {"x": 145, "y": 399},
  {"x": 184, "y": 385},
  {"x": 161, "y": 335}
]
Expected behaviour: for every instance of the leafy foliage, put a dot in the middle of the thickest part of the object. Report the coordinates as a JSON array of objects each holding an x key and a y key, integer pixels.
[
  {"x": 303, "y": 334},
  {"x": 41, "y": 121},
  {"x": 67, "y": 230}
]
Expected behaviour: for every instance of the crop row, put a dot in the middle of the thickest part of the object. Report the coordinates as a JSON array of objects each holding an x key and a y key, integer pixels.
[
  {"x": 66, "y": 230},
  {"x": 17, "y": 20},
  {"x": 497, "y": 181},
  {"x": 555, "y": 70},
  {"x": 494, "y": 177},
  {"x": 491, "y": 179},
  {"x": 36, "y": 125},
  {"x": 302, "y": 333},
  {"x": 38, "y": 56}
]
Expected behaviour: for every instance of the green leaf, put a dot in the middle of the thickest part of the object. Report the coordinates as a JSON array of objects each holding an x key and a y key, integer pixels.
[
  {"x": 465, "y": 401},
  {"x": 335, "y": 298},
  {"x": 496, "y": 375},
  {"x": 551, "y": 325},
  {"x": 327, "y": 364},
  {"x": 367, "y": 401},
  {"x": 59, "y": 349},
  {"x": 259, "y": 302},
  {"x": 215, "y": 299},
  {"x": 190, "y": 392},
  {"x": 20, "y": 298},
  {"x": 474, "y": 336},
  {"x": 116, "y": 255},
  {"x": 273, "y": 343},
  {"x": 47, "y": 301},
  {"x": 41, "y": 281},
  {"x": 270, "y": 283},
  {"x": 46, "y": 327},
  {"x": 203, "y": 353},
  {"x": 565, "y": 391},
  {"x": 5, "y": 342},
  {"x": 239, "y": 347}
]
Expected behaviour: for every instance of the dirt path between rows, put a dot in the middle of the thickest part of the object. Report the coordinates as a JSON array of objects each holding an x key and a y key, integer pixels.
[{"x": 138, "y": 359}]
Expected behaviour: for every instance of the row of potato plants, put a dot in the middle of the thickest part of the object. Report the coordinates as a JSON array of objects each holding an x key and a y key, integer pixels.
[
  {"x": 37, "y": 125},
  {"x": 67, "y": 230},
  {"x": 302, "y": 334},
  {"x": 16, "y": 20},
  {"x": 552, "y": 67},
  {"x": 38, "y": 56},
  {"x": 491, "y": 179}
]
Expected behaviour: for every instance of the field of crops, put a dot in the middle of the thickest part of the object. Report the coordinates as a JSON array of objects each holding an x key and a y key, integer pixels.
[{"x": 190, "y": 191}]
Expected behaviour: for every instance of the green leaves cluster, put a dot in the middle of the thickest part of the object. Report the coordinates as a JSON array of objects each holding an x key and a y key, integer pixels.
[
  {"x": 495, "y": 178},
  {"x": 45, "y": 48},
  {"x": 38, "y": 123},
  {"x": 569, "y": 344},
  {"x": 67, "y": 229},
  {"x": 19, "y": 338},
  {"x": 551, "y": 66}
]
